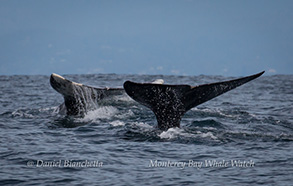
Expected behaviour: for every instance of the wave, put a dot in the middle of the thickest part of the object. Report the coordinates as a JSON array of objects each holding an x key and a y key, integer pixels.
[
  {"x": 207, "y": 123},
  {"x": 28, "y": 113}
]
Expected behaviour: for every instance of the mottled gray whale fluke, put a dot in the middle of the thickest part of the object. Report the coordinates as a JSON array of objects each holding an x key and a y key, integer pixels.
[
  {"x": 79, "y": 98},
  {"x": 170, "y": 102}
]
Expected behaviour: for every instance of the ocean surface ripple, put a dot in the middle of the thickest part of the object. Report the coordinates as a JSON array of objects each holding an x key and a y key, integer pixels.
[{"x": 242, "y": 137}]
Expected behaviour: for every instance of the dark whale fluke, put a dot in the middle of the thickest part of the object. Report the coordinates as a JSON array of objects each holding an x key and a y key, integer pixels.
[
  {"x": 170, "y": 102},
  {"x": 79, "y": 98}
]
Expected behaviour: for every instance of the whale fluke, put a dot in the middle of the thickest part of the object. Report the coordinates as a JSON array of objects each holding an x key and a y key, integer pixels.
[
  {"x": 79, "y": 98},
  {"x": 170, "y": 102}
]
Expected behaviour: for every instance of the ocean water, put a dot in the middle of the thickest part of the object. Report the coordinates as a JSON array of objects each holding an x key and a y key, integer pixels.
[{"x": 242, "y": 137}]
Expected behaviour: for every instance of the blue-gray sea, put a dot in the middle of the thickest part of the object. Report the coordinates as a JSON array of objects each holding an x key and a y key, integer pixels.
[{"x": 243, "y": 137}]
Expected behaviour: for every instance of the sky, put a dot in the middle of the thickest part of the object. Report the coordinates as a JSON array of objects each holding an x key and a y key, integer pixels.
[{"x": 170, "y": 37}]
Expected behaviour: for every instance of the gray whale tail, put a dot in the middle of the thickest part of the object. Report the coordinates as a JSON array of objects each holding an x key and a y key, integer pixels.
[
  {"x": 79, "y": 98},
  {"x": 170, "y": 102}
]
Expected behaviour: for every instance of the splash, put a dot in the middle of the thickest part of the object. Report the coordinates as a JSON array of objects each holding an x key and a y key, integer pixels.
[
  {"x": 171, "y": 133},
  {"x": 105, "y": 112},
  {"x": 125, "y": 115},
  {"x": 207, "y": 135},
  {"x": 117, "y": 123},
  {"x": 178, "y": 133},
  {"x": 143, "y": 125},
  {"x": 213, "y": 112}
]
